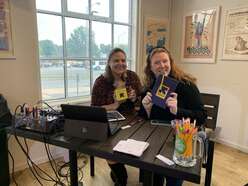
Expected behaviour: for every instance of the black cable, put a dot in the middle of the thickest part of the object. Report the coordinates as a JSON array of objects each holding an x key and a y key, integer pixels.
[
  {"x": 34, "y": 167},
  {"x": 41, "y": 101},
  {"x": 49, "y": 151},
  {"x": 34, "y": 171},
  {"x": 13, "y": 168},
  {"x": 18, "y": 106},
  {"x": 27, "y": 157},
  {"x": 66, "y": 165},
  {"x": 80, "y": 168},
  {"x": 50, "y": 161},
  {"x": 56, "y": 167},
  {"x": 60, "y": 170},
  {"x": 13, "y": 126},
  {"x": 55, "y": 164},
  {"x": 28, "y": 163},
  {"x": 50, "y": 158}
]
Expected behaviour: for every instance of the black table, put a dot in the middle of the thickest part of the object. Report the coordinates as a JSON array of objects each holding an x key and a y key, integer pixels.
[
  {"x": 4, "y": 162},
  {"x": 160, "y": 139}
]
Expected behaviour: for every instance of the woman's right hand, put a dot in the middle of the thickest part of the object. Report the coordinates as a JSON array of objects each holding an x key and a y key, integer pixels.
[
  {"x": 113, "y": 106},
  {"x": 147, "y": 103}
]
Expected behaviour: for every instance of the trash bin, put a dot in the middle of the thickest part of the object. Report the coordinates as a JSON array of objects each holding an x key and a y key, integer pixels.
[{"x": 4, "y": 162}]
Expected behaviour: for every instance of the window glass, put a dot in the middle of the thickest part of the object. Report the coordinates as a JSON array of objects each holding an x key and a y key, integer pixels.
[
  {"x": 78, "y": 76},
  {"x": 77, "y": 37},
  {"x": 50, "y": 42},
  {"x": 100, "y": 8},
  {"x": 52, "y": 79},
  {"x": 79, "y": 6},
  {"x": 49, "y": 5},
  {"x": 121, "y": 38},
  {"x": 98, "y": 68},
  {"x": 101, "y": 39},
  {"x": 120, "y": 15}
]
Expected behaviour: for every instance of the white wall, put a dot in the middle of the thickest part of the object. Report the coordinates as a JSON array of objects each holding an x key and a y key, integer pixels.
[
  {"x": 227, "y": 78},
  {"x": 19, "y": 78},
  {"x": 148, "y": 8}
]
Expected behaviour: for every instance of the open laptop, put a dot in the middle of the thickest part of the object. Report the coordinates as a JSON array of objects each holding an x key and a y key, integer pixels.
[{"x": 90, "y": 122}]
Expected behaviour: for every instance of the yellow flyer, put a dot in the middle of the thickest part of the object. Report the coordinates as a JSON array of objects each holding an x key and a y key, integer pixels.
[{"x": 121, "y": 94}]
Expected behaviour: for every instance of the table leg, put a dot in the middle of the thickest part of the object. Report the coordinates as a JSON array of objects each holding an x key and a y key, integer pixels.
[
  {"x": 147, "y": 178},
  {"x": 73, "y": 168},
  {"x": 209, "y": 165},
  {"x": 141, "y": 175},
  {"x": 92, "y": 166}
]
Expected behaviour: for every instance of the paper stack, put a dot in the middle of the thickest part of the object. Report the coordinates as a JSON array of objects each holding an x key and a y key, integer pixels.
[{"x": 130, "y": 146}]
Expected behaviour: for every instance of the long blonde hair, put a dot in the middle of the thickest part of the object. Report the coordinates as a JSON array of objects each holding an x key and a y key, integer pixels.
[{"x": 175, "y": 72}]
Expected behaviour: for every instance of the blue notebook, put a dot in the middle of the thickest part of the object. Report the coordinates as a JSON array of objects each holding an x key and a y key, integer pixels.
[{"x": 162, "y": 89}]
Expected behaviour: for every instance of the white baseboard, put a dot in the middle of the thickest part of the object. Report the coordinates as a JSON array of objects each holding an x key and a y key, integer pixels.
[
  {"x": 37, "y": 160},
  {"x": 233, "y": 145}
]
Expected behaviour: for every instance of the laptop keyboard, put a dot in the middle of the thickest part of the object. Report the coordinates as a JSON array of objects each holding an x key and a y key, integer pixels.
[
  {"x": 113, "y": 115},
  {"x": 114, "y": 127}
]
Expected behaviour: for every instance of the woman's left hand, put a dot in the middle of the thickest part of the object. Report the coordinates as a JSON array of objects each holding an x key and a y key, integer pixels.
[
  {"x": 132, "y": 94},
  {"x": 171, "y": 102}
]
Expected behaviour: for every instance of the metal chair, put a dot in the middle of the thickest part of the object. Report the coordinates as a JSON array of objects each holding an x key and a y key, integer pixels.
[{"x": 211, "y": 105}]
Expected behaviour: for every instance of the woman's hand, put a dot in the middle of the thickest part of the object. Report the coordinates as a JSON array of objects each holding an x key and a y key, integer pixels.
[
  {"x": 147, "y": 103},
  {"x": 171, "y": 102},
  {"x": 113, "y": 106},
  {"x": 132, "y": 94}
]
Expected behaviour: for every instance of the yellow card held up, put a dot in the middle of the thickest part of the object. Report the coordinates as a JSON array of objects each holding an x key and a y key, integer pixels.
[{"x": 121, "y": 94}]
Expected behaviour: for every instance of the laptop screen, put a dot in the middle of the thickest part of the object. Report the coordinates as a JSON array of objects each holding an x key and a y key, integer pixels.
[{"x": 88, "y": 113}]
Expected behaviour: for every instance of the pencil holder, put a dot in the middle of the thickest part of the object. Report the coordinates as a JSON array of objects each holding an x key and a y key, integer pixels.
[{"x": 185, "y": 152}]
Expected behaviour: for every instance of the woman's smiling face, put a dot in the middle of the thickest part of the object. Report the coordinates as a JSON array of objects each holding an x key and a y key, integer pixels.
[
  {"x": 160, "y": 64},
  {"x": 117, "y": 63}
]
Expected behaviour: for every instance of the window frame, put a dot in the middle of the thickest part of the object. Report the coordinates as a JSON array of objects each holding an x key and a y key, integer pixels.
[{"x": 65, "y": 13}]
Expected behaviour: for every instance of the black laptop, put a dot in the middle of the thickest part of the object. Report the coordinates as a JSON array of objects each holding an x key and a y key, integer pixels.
[{"x": 90, "y": 122}]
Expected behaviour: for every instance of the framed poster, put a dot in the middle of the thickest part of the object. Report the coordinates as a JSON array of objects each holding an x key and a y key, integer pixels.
[
  {"x": 156, "y": 33},
  {"x": 236, "y": 34},
  {"x": 6, "y": 45},
  {"x": 200, "y": 36}
]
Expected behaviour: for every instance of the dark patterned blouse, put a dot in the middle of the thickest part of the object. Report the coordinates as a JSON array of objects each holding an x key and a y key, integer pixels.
[{"x": 103, "y": 91}]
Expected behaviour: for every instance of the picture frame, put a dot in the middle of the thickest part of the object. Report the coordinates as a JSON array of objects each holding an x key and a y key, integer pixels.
[
  {"x": 6, "y": 42},
  {"x": 200, "y": 29},
  {"x": 235, "y": 46},
  {"x": 156, "y": 33}
]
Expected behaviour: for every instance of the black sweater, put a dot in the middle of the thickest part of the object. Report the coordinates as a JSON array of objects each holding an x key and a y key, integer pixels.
[{"x": 189, "y": 105}]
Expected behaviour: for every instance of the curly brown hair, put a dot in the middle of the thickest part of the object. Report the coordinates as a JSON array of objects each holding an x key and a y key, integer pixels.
[{"x": 175, "y": 72}]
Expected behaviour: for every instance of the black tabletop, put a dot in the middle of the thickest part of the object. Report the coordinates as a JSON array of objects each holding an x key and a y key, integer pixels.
[{"x": 160, "y": 139}]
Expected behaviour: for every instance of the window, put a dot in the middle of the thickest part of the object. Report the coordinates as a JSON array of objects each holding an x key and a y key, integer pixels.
[{"x": 75, "y": 37}]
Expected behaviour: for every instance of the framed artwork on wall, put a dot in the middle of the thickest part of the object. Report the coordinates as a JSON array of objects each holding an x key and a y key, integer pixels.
[
  {"x": 6, "y": 43},
  {"x": 236, "y": 34},
  {"x": 200, "y": 36},
  {"x": 156, "y": 33}
]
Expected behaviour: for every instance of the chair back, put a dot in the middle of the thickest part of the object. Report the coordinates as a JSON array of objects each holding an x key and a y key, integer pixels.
[{"x": 211, "y": 105}]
